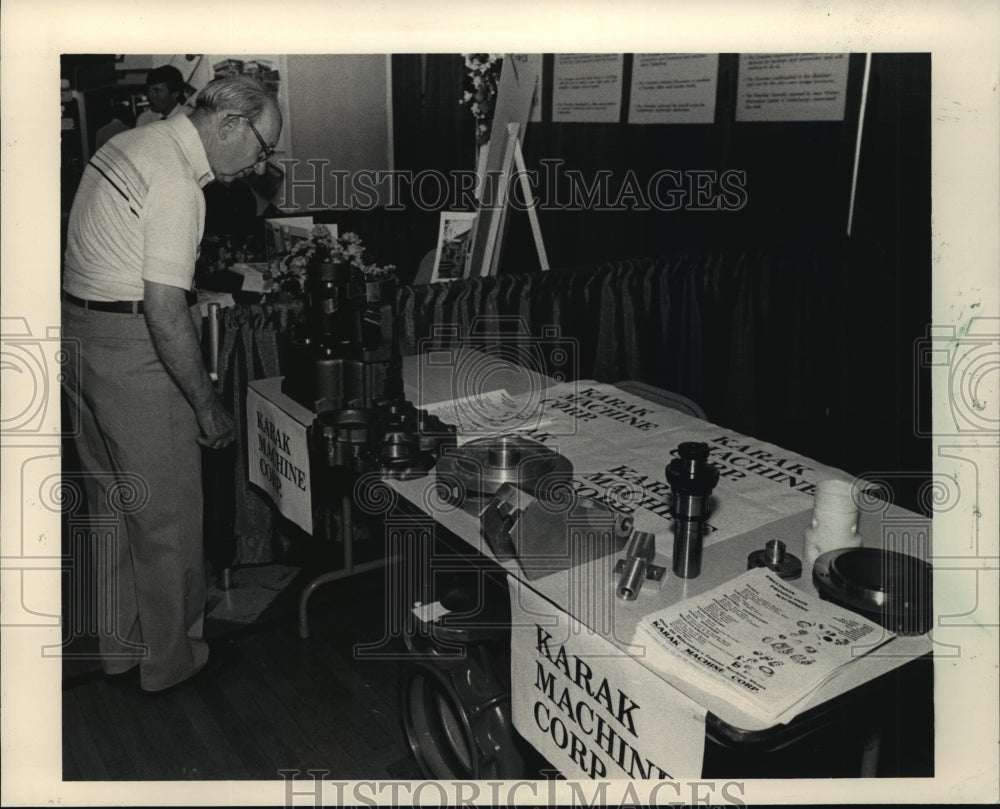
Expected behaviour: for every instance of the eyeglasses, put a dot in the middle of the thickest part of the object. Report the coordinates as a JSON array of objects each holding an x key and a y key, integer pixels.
[{"x": 265, "y": 150}]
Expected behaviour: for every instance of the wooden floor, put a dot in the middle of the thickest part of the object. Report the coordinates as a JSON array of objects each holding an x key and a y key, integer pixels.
[{"x": 286, "y": 704}]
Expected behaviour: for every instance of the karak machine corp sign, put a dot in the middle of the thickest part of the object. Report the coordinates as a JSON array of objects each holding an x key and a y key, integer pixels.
[
  {"x": 278, "y": 457},
  {"x": 584, "y": 704}
]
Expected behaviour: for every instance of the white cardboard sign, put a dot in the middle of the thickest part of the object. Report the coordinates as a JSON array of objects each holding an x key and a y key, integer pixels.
[
  {"x": 588, "y": 708},
  {"x": 278, "y": 455}
]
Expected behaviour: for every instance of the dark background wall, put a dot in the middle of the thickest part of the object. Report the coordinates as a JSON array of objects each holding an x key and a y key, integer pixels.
[{"x": 797, "y": 176}]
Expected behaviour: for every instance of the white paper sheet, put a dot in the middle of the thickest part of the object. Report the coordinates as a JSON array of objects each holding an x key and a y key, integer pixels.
[
  {"x": 758, "y": 642},
  {"x": 673, "y": 88},
  {"x": 791, "y": 87},
  {"x": 587, "y": 87}
]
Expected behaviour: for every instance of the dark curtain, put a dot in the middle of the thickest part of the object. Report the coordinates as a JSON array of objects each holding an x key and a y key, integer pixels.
[
  {"x": 888, "y": 280},
  {"x": 743, "y": 334},
  {"x": 248, "y": 350},
  {"x": 432, "y": 130}
]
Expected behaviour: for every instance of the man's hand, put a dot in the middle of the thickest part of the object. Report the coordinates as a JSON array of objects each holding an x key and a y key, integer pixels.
[
  {"x": 218, "y": 426},
  {"x": 176, "y": 340}
]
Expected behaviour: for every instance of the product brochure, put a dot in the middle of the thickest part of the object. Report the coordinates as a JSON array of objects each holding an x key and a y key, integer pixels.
[{"x": 758, "y": 642}]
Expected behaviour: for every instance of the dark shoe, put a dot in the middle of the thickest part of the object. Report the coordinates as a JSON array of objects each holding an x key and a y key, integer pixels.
[{"x": 221, "y": 656}]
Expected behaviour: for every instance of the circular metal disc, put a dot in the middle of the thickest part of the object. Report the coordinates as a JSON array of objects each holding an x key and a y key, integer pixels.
[
  {"x": 893, "y": 589},
  {"x": 484, "y": 465}
]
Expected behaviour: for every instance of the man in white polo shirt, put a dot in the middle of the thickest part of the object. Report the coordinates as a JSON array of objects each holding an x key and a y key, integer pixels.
[{"x": 146, "y": 401}]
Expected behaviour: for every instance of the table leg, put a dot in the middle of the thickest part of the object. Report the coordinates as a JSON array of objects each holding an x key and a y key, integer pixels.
[
  {"x": 869, "y": 752},
  {"x": 349, "y": 568}
]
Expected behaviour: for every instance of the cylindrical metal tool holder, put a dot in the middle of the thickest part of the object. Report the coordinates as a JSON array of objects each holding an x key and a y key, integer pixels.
[
  {"x": 692, "y": 480},
  {"x": 688, "y": 546}
]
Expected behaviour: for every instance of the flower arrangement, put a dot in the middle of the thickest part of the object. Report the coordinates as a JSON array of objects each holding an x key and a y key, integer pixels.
[
  {"x": 483, "y": 76},
  {"x": 290, "y": 274}
]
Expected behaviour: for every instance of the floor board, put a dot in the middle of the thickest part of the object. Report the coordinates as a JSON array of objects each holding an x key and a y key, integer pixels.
[{"x": 286, "y": 703}]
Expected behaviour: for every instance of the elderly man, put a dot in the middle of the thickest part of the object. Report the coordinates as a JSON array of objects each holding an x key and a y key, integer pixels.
[
  {"x": 145, "y": 399},
  {"x": 165, "y": 90}
]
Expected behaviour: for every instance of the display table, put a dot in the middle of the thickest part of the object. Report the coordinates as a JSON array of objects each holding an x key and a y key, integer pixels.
[
  {"x": 619, "y": 444},
  {"x": 569, "y": 617}
]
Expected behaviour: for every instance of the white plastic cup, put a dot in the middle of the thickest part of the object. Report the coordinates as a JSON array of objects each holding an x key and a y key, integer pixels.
[{"x": 834, "y": 521}]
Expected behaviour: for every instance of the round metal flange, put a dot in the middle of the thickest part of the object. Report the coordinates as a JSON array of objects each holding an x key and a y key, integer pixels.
[
  {"x": 484, "y": 465},
  {"x": 893, "y": 589},
  {"x": 457, "y": 722}
]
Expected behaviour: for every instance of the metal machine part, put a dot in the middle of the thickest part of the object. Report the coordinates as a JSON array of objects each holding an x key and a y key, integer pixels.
[
  {"x": 341, "y": 438},
  {"x": 546, "y": 536},
  {"x": 479, "y": 468},
  {"x": 775, "y": 557},
  {"x": 637, "y": 567},
  {"x": 399, "y": 456},
  {"x": 692, "y": 480},
  {"x": 499, "y": 517},
  {"x": 345, "y": 355},
  {"x": 893, "y": 589},
  {"x": 455, "y": 688},
  {"x": 396, "y": 440},
  {"x": 411, "y": 441}
]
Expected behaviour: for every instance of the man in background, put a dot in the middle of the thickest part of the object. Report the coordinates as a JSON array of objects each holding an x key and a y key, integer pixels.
[
  {"x": 145, "y": 401},
  {"x": 165, "y": 91}
]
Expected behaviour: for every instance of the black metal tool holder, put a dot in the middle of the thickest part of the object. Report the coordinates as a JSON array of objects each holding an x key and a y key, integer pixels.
[
  {"x": 692, "y": 480},
  {"x": 345, "y": 354},
  {"x": 343, "y": 364}
]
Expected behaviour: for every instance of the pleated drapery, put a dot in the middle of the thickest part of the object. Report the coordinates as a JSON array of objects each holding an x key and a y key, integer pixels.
[
  {"x": 752, "y": 337},
  {"x": 248, "y": 350},
  {"x": 748, "y": 336}
]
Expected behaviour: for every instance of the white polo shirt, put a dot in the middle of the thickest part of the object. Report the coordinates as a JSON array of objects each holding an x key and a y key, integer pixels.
[
  {"x": 138, "y": 214},
  {"x": 147, "y": 117}
]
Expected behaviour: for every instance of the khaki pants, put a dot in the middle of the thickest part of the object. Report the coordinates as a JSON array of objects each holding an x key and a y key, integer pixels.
[{"x": 135, "y": 435}]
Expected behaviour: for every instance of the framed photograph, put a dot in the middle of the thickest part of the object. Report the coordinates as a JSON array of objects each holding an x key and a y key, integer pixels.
[
  {"x": 281, "y": 233},
  {"x": 454, "y": 241}
]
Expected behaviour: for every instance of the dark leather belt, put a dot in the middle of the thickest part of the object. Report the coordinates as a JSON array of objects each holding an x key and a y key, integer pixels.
[{"x": 121, "y": 307}]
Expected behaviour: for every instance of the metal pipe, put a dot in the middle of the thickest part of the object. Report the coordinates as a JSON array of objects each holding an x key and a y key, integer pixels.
[
  {"x": 639, "y": 555},
  {"x": 213, "y": 341}
]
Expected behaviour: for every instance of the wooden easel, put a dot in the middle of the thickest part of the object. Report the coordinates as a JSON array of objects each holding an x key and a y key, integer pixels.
[
  {"x": 518, "y": 85},
  {"x": 497, "y": 224}
]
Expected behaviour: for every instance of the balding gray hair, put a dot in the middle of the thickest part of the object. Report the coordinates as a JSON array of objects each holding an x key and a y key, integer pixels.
[{"x": 239, "y": 95}]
